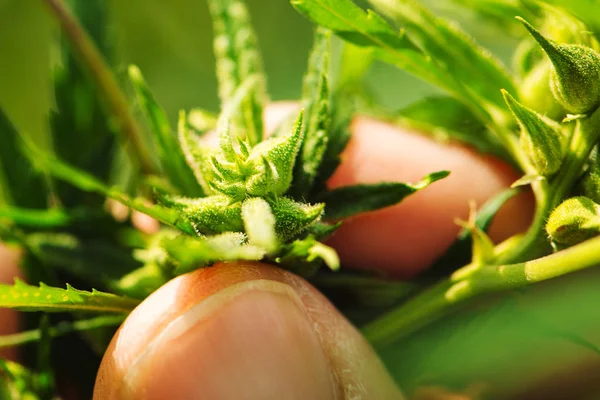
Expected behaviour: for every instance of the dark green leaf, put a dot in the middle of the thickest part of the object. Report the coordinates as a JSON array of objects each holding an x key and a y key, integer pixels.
[
  {"x": 81, "y": 129},
  {"x": 24, "y": 297},
  {"x": 238, "y": 58},
  {"x": 167, "y": 145},
  {"x": 351, "y": 200},
  {"x": 21, "y": 184}
]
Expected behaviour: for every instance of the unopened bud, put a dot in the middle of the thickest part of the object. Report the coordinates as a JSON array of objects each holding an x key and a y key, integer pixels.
[
  {"x": 574, "y": 221},
  {"x": 575, "y": 76}
]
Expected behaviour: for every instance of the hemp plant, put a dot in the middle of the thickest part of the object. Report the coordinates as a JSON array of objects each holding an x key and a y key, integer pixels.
[{"x": 259, "y": 198}]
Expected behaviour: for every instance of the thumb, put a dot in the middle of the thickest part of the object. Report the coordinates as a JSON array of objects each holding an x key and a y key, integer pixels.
[{"x": 240, "y": 331}]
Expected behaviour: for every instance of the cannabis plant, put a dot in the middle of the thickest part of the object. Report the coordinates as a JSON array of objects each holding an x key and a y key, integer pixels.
[{"x": 264, "y": 198}]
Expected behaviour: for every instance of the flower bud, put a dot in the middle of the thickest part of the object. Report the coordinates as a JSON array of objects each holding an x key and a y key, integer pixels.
[
  {"x": 535, "y": 93},
  {"x": 575, "y": 76},
  {"x": 541, "y": 138},
  {"x": 574, "y": 221},
  {"x": 273, "y": 163},
  {"x": 293, "y": 218}
]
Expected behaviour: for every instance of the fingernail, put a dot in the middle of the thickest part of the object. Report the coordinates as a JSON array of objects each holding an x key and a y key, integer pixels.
[{"x": 252, "y": 340}]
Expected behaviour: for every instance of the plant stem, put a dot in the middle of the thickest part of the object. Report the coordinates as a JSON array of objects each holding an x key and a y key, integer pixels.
[
  {"x": 100, "y": 73},
  {"x": 61, "y": 329},
  {"x": 430, "y": 304}
]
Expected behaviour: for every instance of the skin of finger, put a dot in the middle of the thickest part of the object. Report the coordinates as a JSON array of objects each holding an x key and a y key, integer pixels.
[
  {"x": 9, "y": 319},
  {"x": 406, "y": 238},
  {"x": 357, "y": 371}
]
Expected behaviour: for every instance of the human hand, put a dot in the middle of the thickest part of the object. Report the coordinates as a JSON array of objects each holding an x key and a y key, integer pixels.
[{"x": 249, "y": 330}]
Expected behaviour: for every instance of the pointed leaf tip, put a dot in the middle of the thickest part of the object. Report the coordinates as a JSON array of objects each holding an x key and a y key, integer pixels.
[{"x": 575, "y": 74}]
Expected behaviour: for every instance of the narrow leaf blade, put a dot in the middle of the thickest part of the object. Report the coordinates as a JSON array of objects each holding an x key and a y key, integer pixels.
[
  {"x": 351, "y": 200},
  {"x": 24, "y": 297},
  {"x": 169, "y": 151},
  {"x": 473, "y": 65}
]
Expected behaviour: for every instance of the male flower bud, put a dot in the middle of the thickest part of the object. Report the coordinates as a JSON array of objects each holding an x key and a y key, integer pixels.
[
  {"x": 575, "y": 76},
  {"x": 574, "y": 221},
  {"x": 541, "y": 138}
]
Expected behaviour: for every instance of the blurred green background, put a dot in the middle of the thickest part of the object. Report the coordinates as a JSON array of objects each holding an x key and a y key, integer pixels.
[{"x": 171, "y": 43}]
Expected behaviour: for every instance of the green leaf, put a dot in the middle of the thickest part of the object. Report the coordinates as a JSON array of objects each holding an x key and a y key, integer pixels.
[
  {"x": 82, "y": 132},
  {"x": 447, "y": 119},
  {"x": 24, "y": 297},
  {"x": 351, "y": 200},
  {"x": 21, "y": 184},
  {"x": 315, "y": 102},
  {"x": 192, "y": 253},
  {"x": 238, "y": 58},
  {"x": 61, "y": 329},
  {"x": 368, "y": 29},
  {"x": 171, "y": 156},
  {"x": 470, "y": 63},
  {"x": 88, "y": 183}
]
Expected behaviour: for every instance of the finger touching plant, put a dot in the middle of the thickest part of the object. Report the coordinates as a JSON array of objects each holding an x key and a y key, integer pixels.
[{"x": 258, "y": 198}]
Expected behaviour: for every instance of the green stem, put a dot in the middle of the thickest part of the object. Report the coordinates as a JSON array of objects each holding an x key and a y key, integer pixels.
[
  {"x": 100, "y": 73},
  {"x": 59, "y": 330},
  {"x": 430, "y": 304}
]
